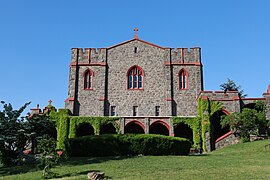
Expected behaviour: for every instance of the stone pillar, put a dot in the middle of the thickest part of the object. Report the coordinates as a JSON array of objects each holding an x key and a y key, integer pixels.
[
  {"x": 122, "y": 126},
  {"x": 146, "y": 125},
  {"x": 171, "y": 127}
]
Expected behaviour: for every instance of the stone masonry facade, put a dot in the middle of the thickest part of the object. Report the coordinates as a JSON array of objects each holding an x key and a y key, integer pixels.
[
  {"x": 110, "y": 66},
  {"x": 162, "y": 86}
]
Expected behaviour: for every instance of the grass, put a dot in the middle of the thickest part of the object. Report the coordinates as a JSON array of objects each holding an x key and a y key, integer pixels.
[{"x": 240, "y": 161}]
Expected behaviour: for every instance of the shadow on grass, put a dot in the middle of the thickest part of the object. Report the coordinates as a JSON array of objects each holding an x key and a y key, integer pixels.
[
  {"x": 5, "y": 171},
  {"x": 198, "y": 155},
  {"x": 73, "y": 161}
]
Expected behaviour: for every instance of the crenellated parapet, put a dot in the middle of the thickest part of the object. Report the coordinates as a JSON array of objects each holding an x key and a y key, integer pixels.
[
  {"x": 88, "y": 56},
  {"x": 191, "y": 56},
  {"x": 220, "y": 95}
]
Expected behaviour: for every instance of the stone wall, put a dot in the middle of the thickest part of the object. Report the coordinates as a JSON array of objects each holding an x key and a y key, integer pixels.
[
  {"x": 228, "y": 139},
  {"x": 229, "y": 99},
  {"x": 161, "y": 67}
]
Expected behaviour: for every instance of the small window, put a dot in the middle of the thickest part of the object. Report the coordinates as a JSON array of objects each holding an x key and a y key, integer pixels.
[
  {"x": 183, "y": 79},
  {"x": 135, "y": 110},
  {"x": 157, "y": 110},
  {"x": 135, "y": 49},
  {"x": 88, "y": 79},
  {"x": 113, "y": 108}
]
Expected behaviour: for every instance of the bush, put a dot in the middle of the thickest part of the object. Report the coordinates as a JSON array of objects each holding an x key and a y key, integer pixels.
[{"x": 128, "y": 144}]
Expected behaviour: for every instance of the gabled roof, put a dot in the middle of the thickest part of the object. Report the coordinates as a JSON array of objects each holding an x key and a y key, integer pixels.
[{"x": 135, "y": 39}]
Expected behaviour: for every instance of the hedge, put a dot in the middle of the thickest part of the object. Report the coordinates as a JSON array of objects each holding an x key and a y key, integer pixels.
[{"x": 127, "y": 144}]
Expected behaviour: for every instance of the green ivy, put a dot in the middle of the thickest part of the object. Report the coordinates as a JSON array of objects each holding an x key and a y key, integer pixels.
[
  {"x": 62, "y": 126},
  {"x": 96, "y": 122},
  {"x": 206, "y": 109},
  {"x": 195, "y": 124}
]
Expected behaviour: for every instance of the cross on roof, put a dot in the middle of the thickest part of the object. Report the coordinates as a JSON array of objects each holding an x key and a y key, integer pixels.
[{"x": 136, "y": 33}]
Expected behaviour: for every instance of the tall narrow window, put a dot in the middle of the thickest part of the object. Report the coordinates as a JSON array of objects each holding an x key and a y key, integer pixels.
[
  {"x": 135, "y": 78},
  {"x": 135, "y": 49},
  {"x": 113, "y": 108},
  {"x": 88, "y": 79},
  {"x": 183, "y": 79},
  {"x": 135, "y": 110},
  {"x": 157, "y": 110}
]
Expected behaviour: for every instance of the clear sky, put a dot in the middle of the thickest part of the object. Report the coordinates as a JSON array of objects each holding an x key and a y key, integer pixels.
[{"x": 36, "y": 38}]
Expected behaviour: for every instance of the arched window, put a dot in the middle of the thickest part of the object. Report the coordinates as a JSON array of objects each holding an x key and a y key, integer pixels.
[
  {"x": 88, "y": 79},
  {"x": 183, "y": 79},
  {"x": 135, "y": 78}
]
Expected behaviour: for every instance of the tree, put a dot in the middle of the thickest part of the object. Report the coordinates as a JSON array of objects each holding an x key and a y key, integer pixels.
[
  {"x": 230, "y": 85},
  {"x": 17, "y": 132},
  {"x": 247, "y": 122},
  {"x": 12, "y": 133}
]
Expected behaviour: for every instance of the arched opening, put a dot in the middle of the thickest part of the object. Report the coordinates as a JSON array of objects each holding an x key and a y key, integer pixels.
[
  {"x": 107, "y": 129},
  {"x": 159, "y": 128},
  {"x": 217, "y": 130},
  {"x": 134, "y": 127},
  {"x": 184, "y": 131},
  {"x": 183, "y": 79},
  {"x": 249, "y": 106},
  {"x": 135, "y": 78},
  {"x": 54, "y": 133},
  {"x": 84, "y": 129}
]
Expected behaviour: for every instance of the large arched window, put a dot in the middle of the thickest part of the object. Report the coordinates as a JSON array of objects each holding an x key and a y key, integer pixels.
[
  {"x": 183, "y": 79},
  {"x": 135, "y": 78},
  {"x": 88, "y": 79}
]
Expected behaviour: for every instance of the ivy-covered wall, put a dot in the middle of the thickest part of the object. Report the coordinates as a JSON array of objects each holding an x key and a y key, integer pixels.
[
  {"x": 206, "y": 109},
  {"x": 66, "y": 124},
  {"x": 96, "y": 123},
  {"x": 195, "y": 124}
]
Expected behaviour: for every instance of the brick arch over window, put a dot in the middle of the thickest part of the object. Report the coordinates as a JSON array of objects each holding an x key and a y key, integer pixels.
[
  {"x": 159, "y": 127},
  {"x": 183, "y": 79},
  {"x": 135, "y": 78},
  {"x": 88, "y": 79},
  {"x": 135, "y": 127}
]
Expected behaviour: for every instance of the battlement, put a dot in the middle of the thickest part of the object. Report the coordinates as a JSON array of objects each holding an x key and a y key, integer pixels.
[
  {"x": 185, "y": 55},
  {"x": 88, "y": 55},
  {"x": 219, "y": 95}
]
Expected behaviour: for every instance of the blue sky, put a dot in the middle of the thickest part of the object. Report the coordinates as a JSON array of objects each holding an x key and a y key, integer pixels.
[{"x": 36, "y": 38}]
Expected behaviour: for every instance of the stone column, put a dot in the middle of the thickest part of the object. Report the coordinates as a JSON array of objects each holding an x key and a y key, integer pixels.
[
  {"x": 122, "y": 125},
  {"x": 146, "y": 125}
]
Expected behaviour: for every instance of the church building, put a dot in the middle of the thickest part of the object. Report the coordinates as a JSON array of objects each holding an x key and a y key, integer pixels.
[{"x": 143, "y": 83}]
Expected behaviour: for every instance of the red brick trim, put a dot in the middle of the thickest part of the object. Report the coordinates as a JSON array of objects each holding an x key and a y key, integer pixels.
[
  {"x": 168, "y": 99},
  {"x": 255, "y": 99},
  {"x": 73, "y": 64},
  {"x": 236, "y": 98},
  {"x": 160, "y": 122},
  {"x": 102, "y": 99},
  {"x": 135, "y": 122},
  {"x": 224, "y": 136},
  {"x": 204, "y": 97},
  {"x": 69, "y": 99},
  {"x": 125, "y": 42},
  {"x": 206, "y": 91},
  {"x": 187, "y": 63},
  {"x": 222, "y": 99}
]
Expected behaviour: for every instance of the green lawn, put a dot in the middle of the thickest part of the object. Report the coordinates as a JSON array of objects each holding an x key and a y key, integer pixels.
[{"x": 241, "y": 161}]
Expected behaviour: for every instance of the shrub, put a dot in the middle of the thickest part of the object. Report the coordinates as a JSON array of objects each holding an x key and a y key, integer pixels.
[{"x": 128, "y": 144}]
